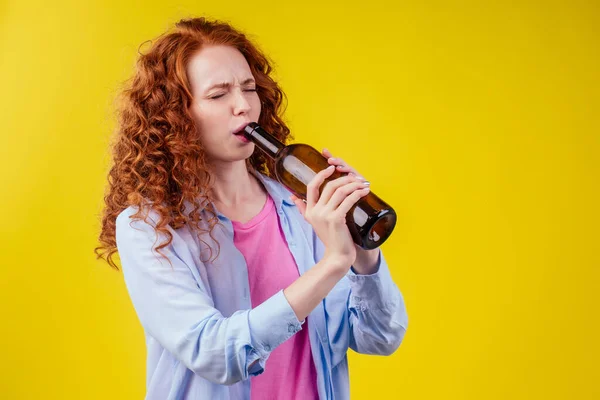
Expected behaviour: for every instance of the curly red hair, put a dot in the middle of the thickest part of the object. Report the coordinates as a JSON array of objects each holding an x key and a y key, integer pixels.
[{"x": 157, "y": 156}]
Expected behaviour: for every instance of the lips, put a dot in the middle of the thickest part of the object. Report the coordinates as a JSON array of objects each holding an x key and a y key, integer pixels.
[{"x": 239, "y": 129}]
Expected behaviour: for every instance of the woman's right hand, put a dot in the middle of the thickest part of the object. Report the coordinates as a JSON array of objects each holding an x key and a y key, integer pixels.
[{"x": 326, "y": 212}]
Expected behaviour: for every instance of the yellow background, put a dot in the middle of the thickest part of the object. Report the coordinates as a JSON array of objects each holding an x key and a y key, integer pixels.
[{"x": 477, "y": 121}]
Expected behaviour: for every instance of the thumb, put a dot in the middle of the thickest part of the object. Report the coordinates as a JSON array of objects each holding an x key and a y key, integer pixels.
[{"x": 299, "y": 203}]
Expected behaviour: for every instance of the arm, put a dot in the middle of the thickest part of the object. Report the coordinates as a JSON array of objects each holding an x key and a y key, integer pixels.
[
  {"x": 367, "y": 312},
  {"x": 364, "y": 312},
  {"x": 378, "y": 317},
  {"x": 177, "y": 311},
  {"x": 306, "y": 292}
]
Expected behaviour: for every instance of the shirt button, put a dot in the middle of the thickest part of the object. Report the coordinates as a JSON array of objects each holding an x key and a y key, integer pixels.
[
  {"x": 292, "y": 328},
  {"x": 267, "y": 347}
]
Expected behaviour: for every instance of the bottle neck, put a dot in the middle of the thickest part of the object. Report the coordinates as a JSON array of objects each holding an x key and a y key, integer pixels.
[{"x": 266, "y": 142}]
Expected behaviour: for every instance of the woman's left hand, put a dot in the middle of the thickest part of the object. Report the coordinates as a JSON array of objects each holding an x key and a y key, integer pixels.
[{"x": 366, "y": 260}]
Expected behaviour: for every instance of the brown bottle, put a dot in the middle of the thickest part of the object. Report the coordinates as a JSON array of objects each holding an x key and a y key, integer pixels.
[{"x": 370, "y": 221}]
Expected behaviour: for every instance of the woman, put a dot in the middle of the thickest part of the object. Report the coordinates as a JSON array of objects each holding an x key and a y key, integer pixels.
[{"x": 242, "y": 289}]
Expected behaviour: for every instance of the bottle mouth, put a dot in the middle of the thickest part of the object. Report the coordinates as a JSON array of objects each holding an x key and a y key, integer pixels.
[
  {"x": 249, "y": 129},
  {"x": 264, "y": 140},
  {"x": 380, "y": 231}
]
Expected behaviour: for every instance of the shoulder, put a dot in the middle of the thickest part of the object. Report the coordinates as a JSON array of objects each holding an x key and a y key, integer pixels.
[
  {"x": 137, "y": 215},
  {"x": 137, "y": 224}
]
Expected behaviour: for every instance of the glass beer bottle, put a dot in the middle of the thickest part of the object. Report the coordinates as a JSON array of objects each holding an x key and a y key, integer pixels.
[{"x": 370, "y": 221}]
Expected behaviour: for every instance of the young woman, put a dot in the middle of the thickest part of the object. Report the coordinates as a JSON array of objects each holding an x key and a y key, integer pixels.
[{"x": 243, "y": 290}]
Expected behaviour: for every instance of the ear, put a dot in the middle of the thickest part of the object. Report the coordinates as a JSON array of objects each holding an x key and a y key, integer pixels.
[{"x": 299, "y": 203}]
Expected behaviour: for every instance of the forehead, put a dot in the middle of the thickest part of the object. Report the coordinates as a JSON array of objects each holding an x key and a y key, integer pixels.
[{"x": 214, "y": 64}]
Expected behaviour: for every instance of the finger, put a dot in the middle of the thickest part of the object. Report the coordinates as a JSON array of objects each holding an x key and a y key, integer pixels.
[
  {"x": 299, "y": 203},
  {"x": 351, "y": 171},
  {"x": 312, "y": 189},
  {"x": 327, "y": 153},
  {"x": 344, "y": 168},
  {"x": 331, "y": 187},
  {"x": 357, "y": 175},
  {"x": 343, "y": 192},
  {"x": 351, "y": 200},
  {"x": 332, "y": 160},
  {"x": 341, "y": 165},
  {"x": 335, "y": 161},
  {"x": 294, "y": 198}
]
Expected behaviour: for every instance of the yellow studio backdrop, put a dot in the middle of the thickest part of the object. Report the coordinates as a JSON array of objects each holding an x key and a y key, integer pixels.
[{"x": 477, "y": 121}]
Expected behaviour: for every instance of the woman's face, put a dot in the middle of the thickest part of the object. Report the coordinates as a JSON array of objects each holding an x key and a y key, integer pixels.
[{"x": 225, "y": 99}]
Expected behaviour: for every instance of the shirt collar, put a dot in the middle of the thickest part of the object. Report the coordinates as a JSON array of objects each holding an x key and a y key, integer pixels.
[{"x": 279, "y": 193}]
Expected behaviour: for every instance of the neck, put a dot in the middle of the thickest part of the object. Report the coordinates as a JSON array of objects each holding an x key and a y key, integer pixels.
[{"x": 234, "y": 185}]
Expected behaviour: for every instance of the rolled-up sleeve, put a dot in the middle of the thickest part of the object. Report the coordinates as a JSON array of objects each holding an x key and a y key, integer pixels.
[
  {"x": 364, "y": 312},
  {"x": 378, "y": 315},
  {"x": 176, "y": 310}
]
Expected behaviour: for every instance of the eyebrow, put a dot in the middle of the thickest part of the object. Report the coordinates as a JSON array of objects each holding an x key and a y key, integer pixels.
[{"x": 226, "y": 85}]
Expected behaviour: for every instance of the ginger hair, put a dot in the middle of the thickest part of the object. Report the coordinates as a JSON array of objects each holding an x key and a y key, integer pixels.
[{"x": 157, "y": 158}]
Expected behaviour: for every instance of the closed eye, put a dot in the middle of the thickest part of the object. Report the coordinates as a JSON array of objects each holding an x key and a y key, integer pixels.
[{"x": 223, "y": 94}]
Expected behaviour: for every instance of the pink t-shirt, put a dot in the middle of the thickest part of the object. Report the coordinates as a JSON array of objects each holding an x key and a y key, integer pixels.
[{"x": 289, "y": 371}]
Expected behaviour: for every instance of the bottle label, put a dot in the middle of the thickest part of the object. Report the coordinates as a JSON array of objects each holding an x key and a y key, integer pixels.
[{"x": 298, "y": 169}]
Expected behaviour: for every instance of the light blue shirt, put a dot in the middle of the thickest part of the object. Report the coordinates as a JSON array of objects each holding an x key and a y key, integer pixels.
[{"x": 202, "y": 335}]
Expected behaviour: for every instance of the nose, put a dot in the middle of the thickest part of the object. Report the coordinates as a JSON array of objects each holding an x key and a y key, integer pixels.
[{"x": 241, "y": 104}]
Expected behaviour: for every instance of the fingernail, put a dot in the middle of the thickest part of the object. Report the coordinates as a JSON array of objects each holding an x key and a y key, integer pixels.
[
  {"x": 330, "y": 167},
  {"x": 366, "y": 183}
]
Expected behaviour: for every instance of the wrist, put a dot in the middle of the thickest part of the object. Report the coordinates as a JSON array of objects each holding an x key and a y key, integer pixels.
[
  {"x": 336, "y": 265},
  {"x": 367, "y": 261}
]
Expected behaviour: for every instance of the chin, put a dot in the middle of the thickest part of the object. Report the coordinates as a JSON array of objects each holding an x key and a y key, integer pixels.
[
  {"x": 244, "y": 152},
  {"x": 232, "y": 155},
  {"x": 249, "y": 150}
]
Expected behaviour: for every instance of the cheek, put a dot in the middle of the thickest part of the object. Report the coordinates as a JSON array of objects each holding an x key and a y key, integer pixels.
[
  {"x": 257, "y": 106},
  {"x": 207, "y": 117},
  {"x": 197, "y": 116},
  {"x": 205, "y": 125}
]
